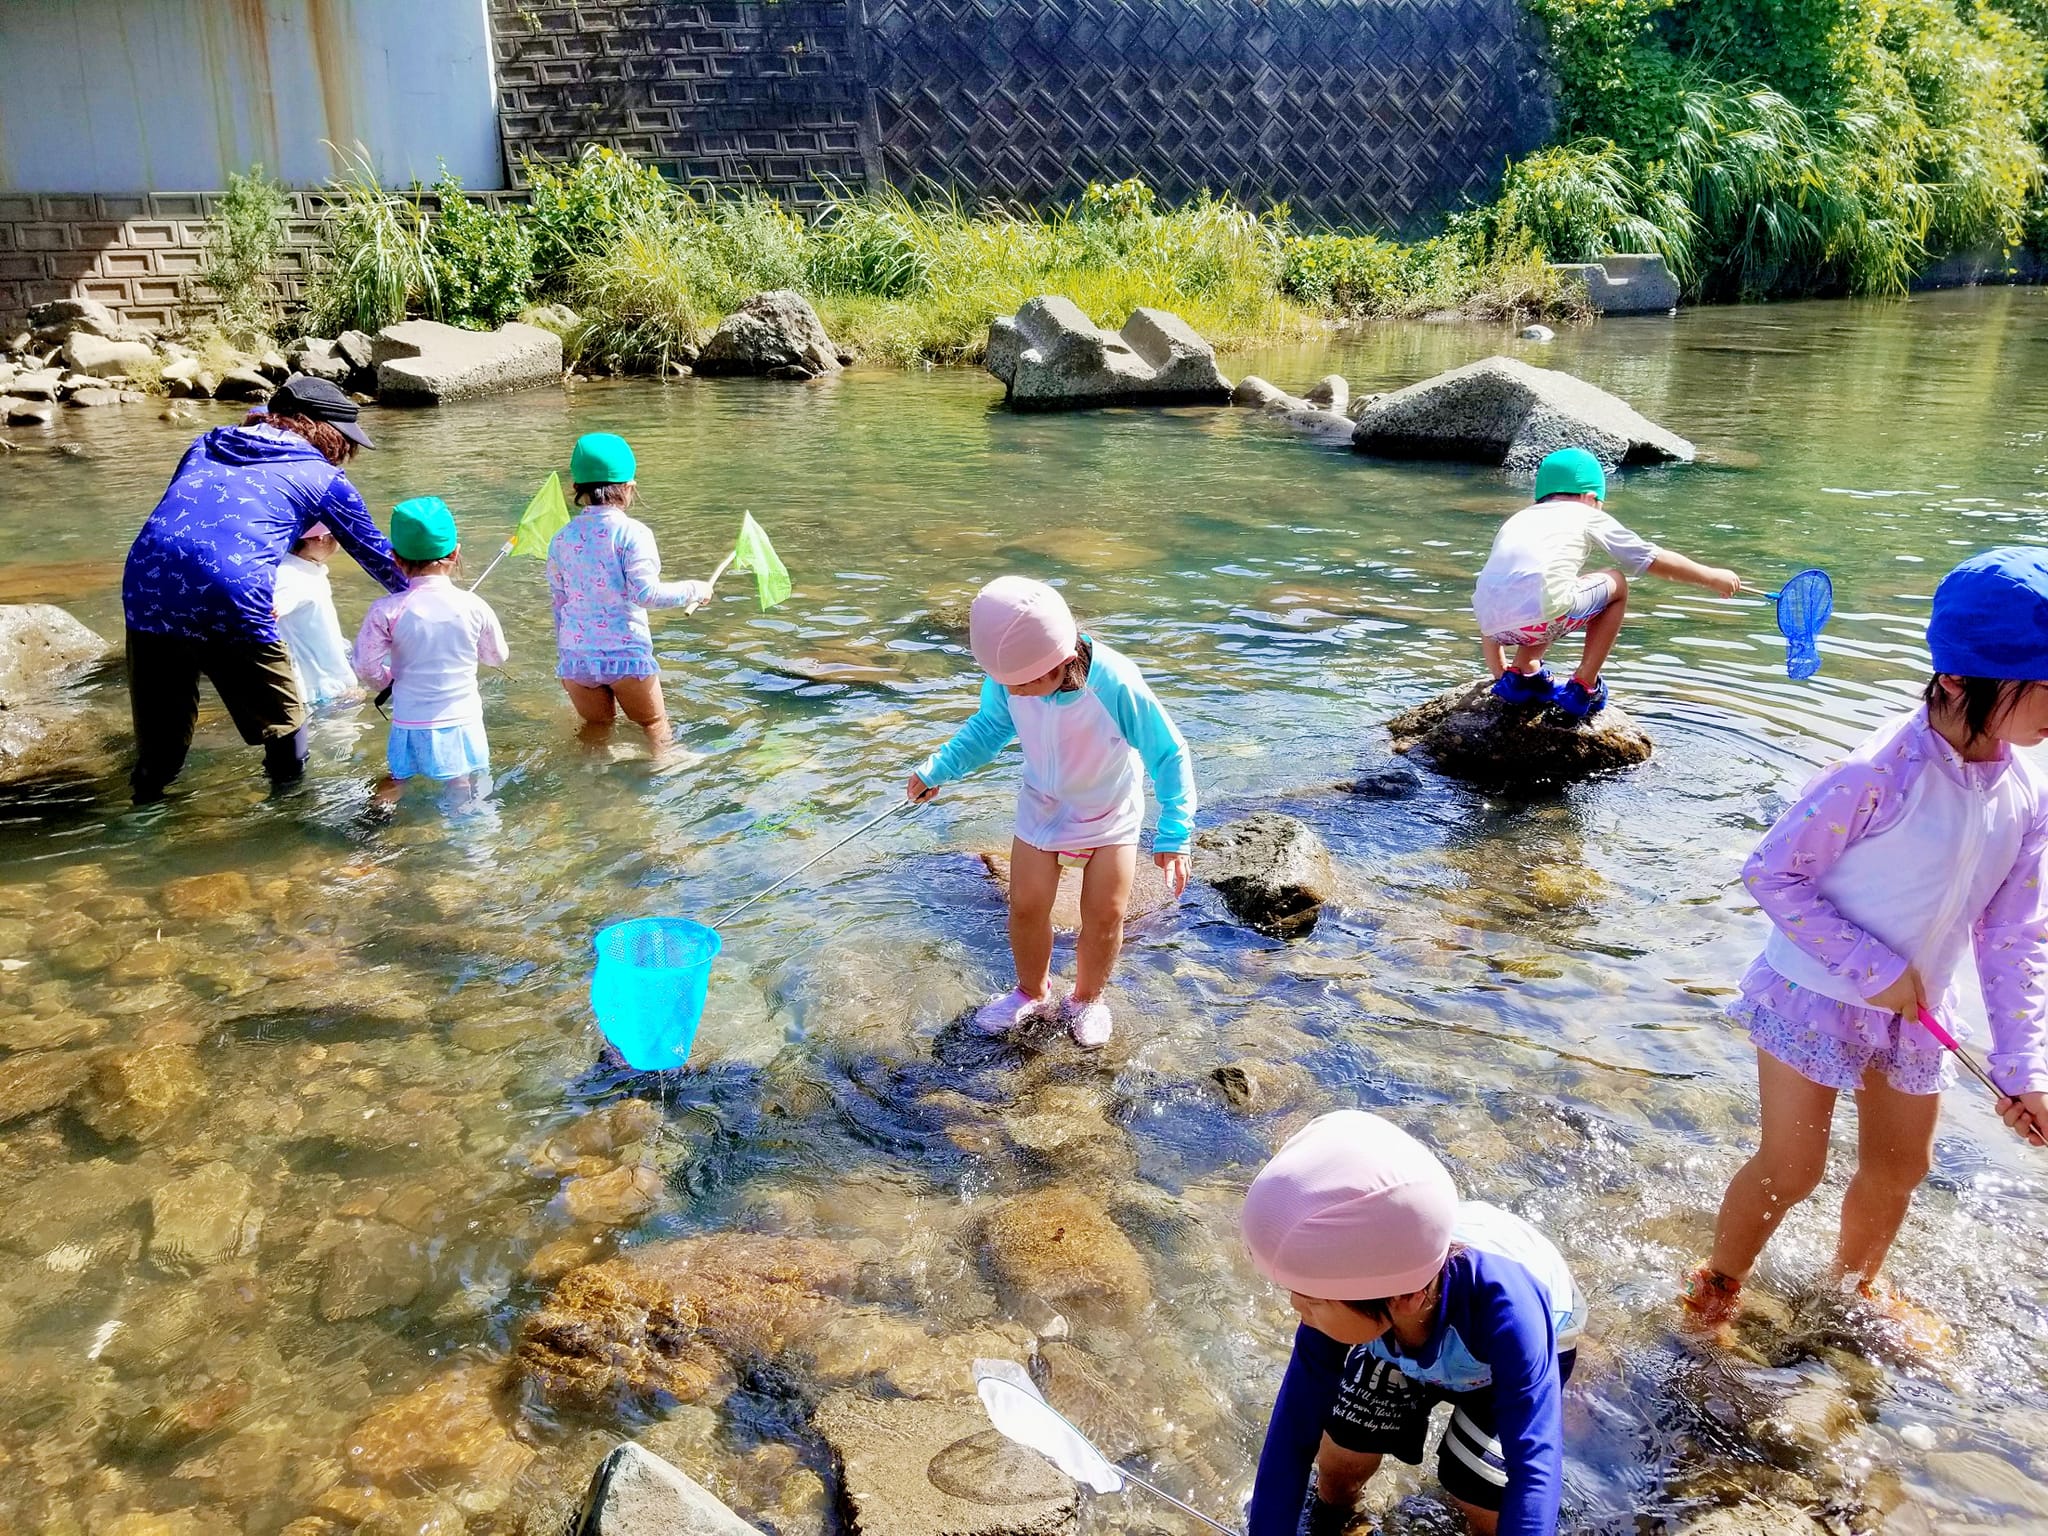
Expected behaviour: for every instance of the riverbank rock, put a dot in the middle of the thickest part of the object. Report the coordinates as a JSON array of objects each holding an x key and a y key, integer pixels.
[
  {"x": 667, "y": 1323},
  {"x": 774, "y": 335},
  {"x": 1467, "y": 733},
  {"x": 104, "y": 359},
  {"x": 1503, "y": 411},
  {"x": 423, "y": 362},
  {"x": 320, "y": 358},
  {"x": 1639, "y": 284},
  {"x": 635, "y": 1493},
  {"x": 54, "y": 323},
  {"x": 1052, "y": 357},
  {"x": 1060, "y": 1247},
  {"x": 1325, "y": 420},
  {"x": 1272, "y": 871},
  {"x": 916, "y": 1468}
]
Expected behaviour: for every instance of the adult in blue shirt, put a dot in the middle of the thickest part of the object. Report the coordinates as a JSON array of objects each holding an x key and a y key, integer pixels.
[
  {"x": 200, "y": 577},
  {"x": 1408, "y": 1297}
]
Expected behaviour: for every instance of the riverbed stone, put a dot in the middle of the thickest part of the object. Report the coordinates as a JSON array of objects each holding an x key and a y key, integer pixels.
[
  {"x": 86, "y": 399},
  {"x": 1061, "y": 1247},
  {"x": 918, "y": 1468},
  {"x": 1501, "y": 410},
  {"x": 203, "y": 1217},
  {"x": 665, "y": 1323},
  {"x": 1052, "y": 357},
  {"x": 1467, "y": 733},
  {"x": 423, "y": 362},
  {"x": 456, "y": 1429},
  {"x": 636, "y": 1493},
  {"x": 319, "y": 358},
  {"x": 1272, "y": 871},
  {"x": 34, "y": 1081},
  {"x": 1757, "y": 1517},
  {"x": 612, "y": 1199},
  {"x": 366, "y": 1267},
  {"x": 220, "y": 894},
  {"x": 33, "y": 387},
  {"x": 1321, "y": 420},
  {"x": 102, "y": 358},
  {"x": 139, "y": 1092},
  {"x": 249, "y": 385},
  {"x": 773, "y": 335},
  {"x": 1989, "y": 1479}
]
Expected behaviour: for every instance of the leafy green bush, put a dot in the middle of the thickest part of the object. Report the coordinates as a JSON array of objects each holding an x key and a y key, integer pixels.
[
  {"x": 243, "y": 239},
  {"x": 482, "y": 259},
  {"x": 375, "y": 264},
  {"x": 1575, "y": 202},
  {"x": 574, "y": 211}
]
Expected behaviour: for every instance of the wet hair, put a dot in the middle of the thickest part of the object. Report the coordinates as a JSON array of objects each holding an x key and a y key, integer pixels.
[
  {"x": 612, "y": 493},
  {"x": 1983, "y": 701},
  {"x": 1074, "y": 674},
  {"x": 1380, "y": 1308},
  {"x": 416, "y": 567},
  {"x": 334, "y": 448}
]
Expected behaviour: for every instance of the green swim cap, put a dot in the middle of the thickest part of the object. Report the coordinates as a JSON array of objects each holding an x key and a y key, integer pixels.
[
  {"x": 423, "y": 529},
  {"x": 601, "y": 458},
  {"x": 1570, "y": 472}
]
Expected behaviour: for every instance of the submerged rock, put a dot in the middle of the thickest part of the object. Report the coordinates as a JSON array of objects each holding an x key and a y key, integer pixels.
[
  {"x": 1272, "y": 871},
  {"x": 34, "y": 1081},
  {"x": 138, "y": 1093},
  {"x": 1503, "y": 411},
  {"x": 46, "y": 733},
  {"x": 1325, "y": 419},
  {"x": 1052, "y": 357},
  {"x": 918, "y": 1468},
  {"x": 774, "y": 335},
  {"x": 207, "y": 1215},
  {"x": 423, "y": 362},
  {"x": 1469, "y": 734},
  {"x": 453, "y": 1430},
  {"x": 1060, "y": 1247},
  {"x": 1761, "y": 1517},
  {"x": 635, "y": 1493}
]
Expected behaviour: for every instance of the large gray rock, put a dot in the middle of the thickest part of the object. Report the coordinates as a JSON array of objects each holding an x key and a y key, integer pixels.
[
  {"x": 918, "y": 1468},
  {"x": 423, "y": 362},
  {"x": 319, "y": 358},
  {"x": 1272, "y": 871},
  {"x": 1626, "y": 285},
  {"x": 1052, "y": 357},
  {"x": 46, "y": 733},
  {"x": 1501, "y": 410},
  {"x": 1323, "y": 419},
  {"x": 774, "y": 335},
  {"x": 1469, "y": 734},
  {"x": 635, "y": 1493},
  {"x": 54, "y": 323},
  {"x": 104, "y": 359}
]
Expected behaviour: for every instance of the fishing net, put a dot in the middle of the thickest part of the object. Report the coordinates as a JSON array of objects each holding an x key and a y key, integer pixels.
[{"x": 1803, "y": 607}]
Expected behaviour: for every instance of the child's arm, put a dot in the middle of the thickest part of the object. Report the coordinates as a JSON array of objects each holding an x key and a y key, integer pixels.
[
  {"x": 1307, "y": 1393},
  {"x": 1846, "y": 802},
  {"x": 641, "y": 562},
  {"x": 1516, "y": 1337},
  {"x": 1637, "y": 556},
  {"x": 987, "y": 731},
  {"x": 1715, "y": 578},
  {"x": 2011, "y": 936},
  {"x": 372, "y": 657},
  {"x": 342, "y": 510},
  {"x": 491, "y": 650},
  {"x": 1146, "y": 726}
]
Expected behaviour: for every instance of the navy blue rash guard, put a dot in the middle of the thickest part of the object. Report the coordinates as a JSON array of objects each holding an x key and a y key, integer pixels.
[{"x": 1494, "y": 1325}]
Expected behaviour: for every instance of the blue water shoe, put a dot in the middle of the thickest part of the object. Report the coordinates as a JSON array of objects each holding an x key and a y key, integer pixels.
[
  {"x": 1575, "y": 701},
  {"x": 1513, "y": 687}
]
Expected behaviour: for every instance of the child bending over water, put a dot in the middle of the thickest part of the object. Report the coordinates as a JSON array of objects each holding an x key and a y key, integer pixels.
[
  {"x": 303, "y": 601},
  {"x": 1088, "y": 725},
  {"x": 1928, "y": 838},
  {"x": 1408, "y": 1297},
  {"x": 1533, "y": 590},
  {"x": 605, "y": 573},
  {"x": 426, "y": 644}
]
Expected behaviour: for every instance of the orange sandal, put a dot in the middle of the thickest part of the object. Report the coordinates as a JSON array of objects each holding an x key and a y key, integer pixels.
[
  {"x": 1710, "y": 1298},
  {"x": 1903, "y": 1321}
]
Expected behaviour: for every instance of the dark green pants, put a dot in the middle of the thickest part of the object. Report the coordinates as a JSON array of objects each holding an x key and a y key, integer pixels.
[{"x": 254, "y": 681}]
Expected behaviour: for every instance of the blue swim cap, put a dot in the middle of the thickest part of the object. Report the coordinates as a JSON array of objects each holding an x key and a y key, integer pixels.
[{"x": 1991, "y": 616}]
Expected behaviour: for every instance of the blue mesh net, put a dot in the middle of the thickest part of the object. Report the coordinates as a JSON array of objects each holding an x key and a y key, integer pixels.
[{"x": 1803, "y": 607}]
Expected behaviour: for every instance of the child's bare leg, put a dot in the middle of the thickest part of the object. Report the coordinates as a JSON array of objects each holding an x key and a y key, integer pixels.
[
  {"x": 1341, "y": 1475},
  {"x": 1495, "y": 662},
  {"x": 1788, "y": 1165},
  {"x": 1602, "y": 632},
  {"x": 1894, "y": 1150},
  {"x": 640, "y": 698},
  {"x": 1529, "y": 657},
  {"x": 1105, "y": 898},
  {"x": 595, "y": 707},
  {"x": 386, "y": 794},
  {"x": 1034, "y": 884}
]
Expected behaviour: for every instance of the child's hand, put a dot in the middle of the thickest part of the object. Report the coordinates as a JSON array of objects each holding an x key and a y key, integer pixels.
[
  {"x": 1175, "y": 867},
  {"x": 917, "y": 791},
  {"x": 2027, "y": 1114},
  {"x": 1722, "y": 582},
  {"x": 1905, "y": 997}
]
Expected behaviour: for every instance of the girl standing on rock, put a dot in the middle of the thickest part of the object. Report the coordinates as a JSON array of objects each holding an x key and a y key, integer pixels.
[
  {"x": 1930, "y": 837},
  {"x": 1090, "y": 729}
]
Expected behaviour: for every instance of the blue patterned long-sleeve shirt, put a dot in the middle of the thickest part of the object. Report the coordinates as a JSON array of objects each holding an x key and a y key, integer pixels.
[{"x": 204, "y": 566}]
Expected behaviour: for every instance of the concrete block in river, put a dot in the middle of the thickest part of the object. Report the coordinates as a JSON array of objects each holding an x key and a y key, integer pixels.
[
  {"x": 1503, "y": 411},
  {"x": 635, "y": 1493},
  {"x": 1639, "y": 284},
  {"x": 915, "y": 1468},
  {"x": 1052, "y": 357},
  {"x": 423, "y": 362},
  {"x": 1469, "y": 734}
]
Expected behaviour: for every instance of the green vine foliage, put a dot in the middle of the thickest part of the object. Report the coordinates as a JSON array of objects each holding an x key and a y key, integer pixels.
[{"x": 482, "y": 259}]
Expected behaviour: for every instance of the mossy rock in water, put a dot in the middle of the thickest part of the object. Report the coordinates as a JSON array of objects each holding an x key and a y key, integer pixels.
[{"x": 1469, "y": 734}]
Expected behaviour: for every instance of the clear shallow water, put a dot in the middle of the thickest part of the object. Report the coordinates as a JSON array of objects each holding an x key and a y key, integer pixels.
[{"x": 382, "y": 1030}]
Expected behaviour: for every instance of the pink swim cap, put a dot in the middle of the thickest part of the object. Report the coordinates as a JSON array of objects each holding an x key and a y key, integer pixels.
[
  {"x": 316, "y": 531},
  {"x": 1020, "y": 629},
  {"x": 1353, "y": 1208}
]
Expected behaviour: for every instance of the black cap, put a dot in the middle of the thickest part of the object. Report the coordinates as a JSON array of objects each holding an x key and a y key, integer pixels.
[{"x": 304, "y": 395}]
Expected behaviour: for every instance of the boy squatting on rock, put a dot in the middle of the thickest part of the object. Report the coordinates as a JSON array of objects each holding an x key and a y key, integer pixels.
[
  {"x": 1408, "y": 1297},
  {"x": 1533, "y": 590}
]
